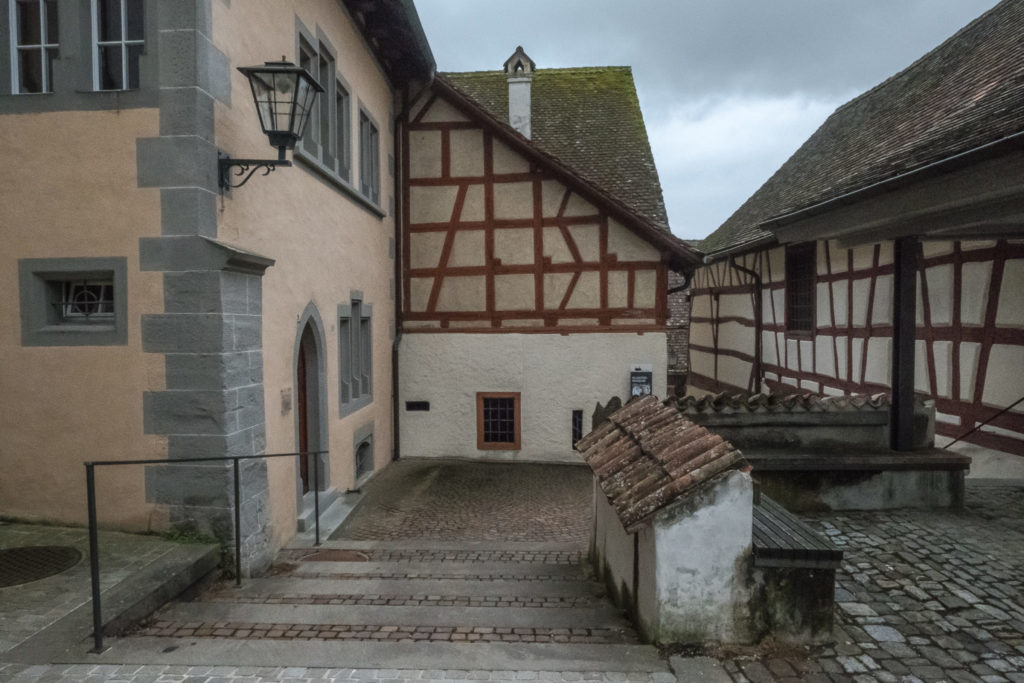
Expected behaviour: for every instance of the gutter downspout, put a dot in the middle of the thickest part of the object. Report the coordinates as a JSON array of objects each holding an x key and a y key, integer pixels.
[
  {"x": 758, "y": 322},
  {"x": 400, "y": 179}
]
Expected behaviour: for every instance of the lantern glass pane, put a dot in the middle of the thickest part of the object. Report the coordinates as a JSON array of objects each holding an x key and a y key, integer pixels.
[
  {"x": 284, "y": 90},
  {"x": 303, "y": 105}
]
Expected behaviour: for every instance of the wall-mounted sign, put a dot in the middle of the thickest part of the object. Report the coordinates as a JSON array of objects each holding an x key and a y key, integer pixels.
[{"x": 641, "y": 380}]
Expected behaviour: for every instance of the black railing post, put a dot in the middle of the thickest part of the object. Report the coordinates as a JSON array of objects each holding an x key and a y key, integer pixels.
[
  {"x": 238, "y": 527},
  {"x": 316, "y": 496},
  {"x": 94, "y": 560}
]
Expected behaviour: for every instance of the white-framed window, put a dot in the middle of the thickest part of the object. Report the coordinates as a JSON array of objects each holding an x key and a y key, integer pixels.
[
  {"x": 355, "y": 350},
  {"x": 34, "y": 45},
  {"x": 369, "y": 158},
  {"x": 118, "y": 42}
]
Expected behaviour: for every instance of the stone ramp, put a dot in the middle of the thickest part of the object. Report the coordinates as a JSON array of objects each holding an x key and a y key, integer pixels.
[{"x": 427, "y": 612}]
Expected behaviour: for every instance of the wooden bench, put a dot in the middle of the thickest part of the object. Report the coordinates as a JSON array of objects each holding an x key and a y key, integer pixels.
[
  {"x": 781, "y": 539},
  {"x": 795, "y": 568}
]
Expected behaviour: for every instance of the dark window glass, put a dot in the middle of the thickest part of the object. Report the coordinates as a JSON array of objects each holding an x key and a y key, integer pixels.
[
  {"x": 323, "y": 76},
  {"x": 111, "y": 72},
  {"x": 30, "y": 71},
  {"x": 29, "y": 22},
  {"x": 51, "y": 22},
  {"x": 800, "y": 267},
  {"x": 109, "y": 20},
  {"x": 133, "y": 20},
  {"x": 577, "y": 427},
  {"x": 364, "y": 459},
  {"x": 134, "y": 53},
  {"x": 499, "y": 420}
]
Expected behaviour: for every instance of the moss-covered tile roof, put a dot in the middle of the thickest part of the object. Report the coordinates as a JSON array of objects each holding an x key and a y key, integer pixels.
[
  {"x": 963, "y": 94},
  {"x": 590, "y": 119}
]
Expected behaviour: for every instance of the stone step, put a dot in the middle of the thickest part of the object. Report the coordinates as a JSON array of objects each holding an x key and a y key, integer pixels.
[
  {"x": 483, "y": 571},
  {"x": 410, "y": 592},
  {"x": 441, "y": 656},
  {"x": 602, "y": 616}
]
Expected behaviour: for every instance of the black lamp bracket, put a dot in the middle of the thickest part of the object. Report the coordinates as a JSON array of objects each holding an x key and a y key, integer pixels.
[{"x": 245, "y": 167}]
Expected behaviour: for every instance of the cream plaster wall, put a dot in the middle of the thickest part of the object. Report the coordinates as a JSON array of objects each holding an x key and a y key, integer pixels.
[
  {"x": 324, "y": 242},
  {"x": 555, "y": 374},
  {"x": 64, "y": 405}
]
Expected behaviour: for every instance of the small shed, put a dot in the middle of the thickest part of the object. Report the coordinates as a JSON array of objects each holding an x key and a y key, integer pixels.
[{"x": 673, "y": 518}]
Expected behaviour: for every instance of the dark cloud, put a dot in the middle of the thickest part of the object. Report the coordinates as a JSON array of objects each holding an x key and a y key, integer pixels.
[{"x": 691, "y": 56}]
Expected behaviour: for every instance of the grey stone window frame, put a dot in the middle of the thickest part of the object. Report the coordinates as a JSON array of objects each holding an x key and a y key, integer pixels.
[
  {"x": 72, "y": 87},
  {"x": 331, "y": 162},
  {"x": 369, "y": 156},
  {"x": 41, "y": 325},
  {"x": 362, "y": 437},
  {"x": 355, "y": 354}
]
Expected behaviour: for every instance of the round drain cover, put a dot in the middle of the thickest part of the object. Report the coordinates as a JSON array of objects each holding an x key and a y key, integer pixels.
[{"x": 31, "y": 563}]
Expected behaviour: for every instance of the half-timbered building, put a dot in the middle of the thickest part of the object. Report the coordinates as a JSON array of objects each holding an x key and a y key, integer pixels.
[
  {"x": 536, "y": 260},
  {"x": 887, "y": 254}
]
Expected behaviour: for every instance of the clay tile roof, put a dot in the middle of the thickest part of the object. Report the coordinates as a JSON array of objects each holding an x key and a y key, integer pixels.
[
  {"x": 647, "y": 455},
  {"x": 775, "y": 403},
  {"x": 589, "y": 118},
  {"x": 963, "y": 94}
]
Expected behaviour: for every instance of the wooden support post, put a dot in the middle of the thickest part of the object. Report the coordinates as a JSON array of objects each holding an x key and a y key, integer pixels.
[{"x": 904, "y": 323}]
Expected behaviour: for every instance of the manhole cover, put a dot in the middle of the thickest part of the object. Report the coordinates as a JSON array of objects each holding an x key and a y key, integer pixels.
[{"x": 31, "y": 563}]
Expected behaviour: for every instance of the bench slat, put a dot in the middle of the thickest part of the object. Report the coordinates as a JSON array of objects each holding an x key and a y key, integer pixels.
[{"x": 781, "y": 539}]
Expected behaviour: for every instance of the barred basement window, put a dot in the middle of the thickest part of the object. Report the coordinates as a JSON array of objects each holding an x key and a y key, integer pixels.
[
  {"x": 497, "y": 421},
  {"x": 34, "y": 45},
  {"x": 800, "y": 268},
  {"x": 577, "y": 427},
  {"x": 84, "y": 301}
]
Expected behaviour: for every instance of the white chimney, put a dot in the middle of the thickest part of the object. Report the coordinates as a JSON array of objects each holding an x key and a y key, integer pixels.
[{"x": 519, "y": 70}]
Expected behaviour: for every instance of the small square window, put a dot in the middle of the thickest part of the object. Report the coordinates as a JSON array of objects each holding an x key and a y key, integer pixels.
[
  {"x": 497, "y": 416},
  {"x": 72, "y": 301}
]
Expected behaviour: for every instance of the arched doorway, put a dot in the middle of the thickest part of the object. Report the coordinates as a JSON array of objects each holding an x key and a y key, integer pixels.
[
  {"x": 306, "y": 404},
  {"x": 310, "y": 416}
]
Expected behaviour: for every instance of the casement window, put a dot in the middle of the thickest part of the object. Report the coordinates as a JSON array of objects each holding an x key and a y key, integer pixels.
[
  {"x": 800, "y": 283},
  {"x": 327, "y": 140},
  {"x": 497, "y": 421},
  {"x": 118, "y": 43},
  {"x": 355, "y": 348},
  {"x": 343, "y": 130},
  {"x": 34, "y": 45},
  {"x": 369, "y": 158},
  {"x": 73, "y": 301}
]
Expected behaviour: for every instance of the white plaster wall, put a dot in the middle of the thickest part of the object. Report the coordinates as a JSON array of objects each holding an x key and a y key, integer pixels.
[
  {"x": 613, "y": 545},
  {"x": 556, "y": 374},
  {"x": 701, "y": 548}
]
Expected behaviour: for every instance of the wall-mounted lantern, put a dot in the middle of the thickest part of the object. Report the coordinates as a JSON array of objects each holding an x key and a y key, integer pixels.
[{"x": 285, "y": 95}]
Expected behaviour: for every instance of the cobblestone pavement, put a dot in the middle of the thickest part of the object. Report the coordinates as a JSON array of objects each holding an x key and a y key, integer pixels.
[
  {"x": 455, "y": 500},
  {"x": 922, "y": 596},
  {"x": 89, "y": 673}
]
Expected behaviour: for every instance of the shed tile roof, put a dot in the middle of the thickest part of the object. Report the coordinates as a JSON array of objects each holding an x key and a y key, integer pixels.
[
  {"x": 963, "y": 94},
  {"x": 778, "y": 403},
  {"x": 590, "y": 119},
  {"x": 648, "y": 455}
]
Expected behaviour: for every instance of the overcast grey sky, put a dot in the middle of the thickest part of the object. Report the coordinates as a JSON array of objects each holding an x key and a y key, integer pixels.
[{"x": 729, "y": 88}]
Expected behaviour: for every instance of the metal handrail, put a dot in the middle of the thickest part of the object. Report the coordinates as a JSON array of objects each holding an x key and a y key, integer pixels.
[
  {"x": 982, "y": 424},
  {"x": 94, "y": 558}
]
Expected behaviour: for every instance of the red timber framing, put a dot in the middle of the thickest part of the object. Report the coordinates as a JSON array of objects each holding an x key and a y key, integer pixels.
[
  {"x": 954, "y": 355},
  {"x": 587, "y": 288}
]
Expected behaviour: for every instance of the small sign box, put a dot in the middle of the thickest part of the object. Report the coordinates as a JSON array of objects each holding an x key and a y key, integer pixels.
[{"x": 641, "y": 380}]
